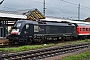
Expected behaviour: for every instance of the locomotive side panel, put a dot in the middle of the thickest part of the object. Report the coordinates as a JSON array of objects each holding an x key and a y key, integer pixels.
[
  {"x": 71, "y": 30},
  {"x": 62, "y": 30},
  {"x": 27, "y": 31},
  {"x": 39, "y": 31}
]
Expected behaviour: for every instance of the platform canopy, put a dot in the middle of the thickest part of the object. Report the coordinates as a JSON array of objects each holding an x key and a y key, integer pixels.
[
  {"x": 63, "y": 20},
  {"x": 33, "y": 14},
  {"x": 13, "y": 16}
]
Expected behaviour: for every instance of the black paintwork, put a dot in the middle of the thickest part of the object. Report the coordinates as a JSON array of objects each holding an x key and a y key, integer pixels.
[{"x": 42, "y": 30}]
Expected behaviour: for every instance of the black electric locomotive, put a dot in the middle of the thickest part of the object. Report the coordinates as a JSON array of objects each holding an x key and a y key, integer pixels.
[{"x": 28, "y": 31}]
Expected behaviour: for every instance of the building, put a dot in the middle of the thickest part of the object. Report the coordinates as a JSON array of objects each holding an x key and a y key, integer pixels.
[{"x": 88, "y": 19}]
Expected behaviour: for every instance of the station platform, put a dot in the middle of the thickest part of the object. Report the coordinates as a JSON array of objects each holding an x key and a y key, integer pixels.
[{"x": 3, "y": 41}]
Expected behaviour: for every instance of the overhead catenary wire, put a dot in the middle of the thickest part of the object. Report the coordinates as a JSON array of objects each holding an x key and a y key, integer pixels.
[
  {"x": 56, "y": 6},
  {"x": 74, "y": 4},
  {"x": 46, "y": 4},
  {"x": 80, "y": 7},
  {"x": 49, "y": 3}
]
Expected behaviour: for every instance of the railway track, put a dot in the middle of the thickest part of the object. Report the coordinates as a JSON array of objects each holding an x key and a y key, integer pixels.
[{"x": 43, "y": 53}]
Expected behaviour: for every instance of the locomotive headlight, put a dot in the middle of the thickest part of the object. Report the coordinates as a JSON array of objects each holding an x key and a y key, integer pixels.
[{"x": 18, "y": 33}]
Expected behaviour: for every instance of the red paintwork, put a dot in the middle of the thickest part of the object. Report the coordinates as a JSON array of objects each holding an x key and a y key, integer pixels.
[
  {"x": 14, "y": 32},
  {"x": 83, "y": 32}
]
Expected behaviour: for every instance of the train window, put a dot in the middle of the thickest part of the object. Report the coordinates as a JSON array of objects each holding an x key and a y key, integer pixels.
[
  {"x": 83, "y": 29},
  {"x": 89, "y": 29},
  {"x": 27, "y": 26},
  {"x": 86, "y": 29},
  {"x": 18, "y": 25},
  {"x": 80, "y": 29}
]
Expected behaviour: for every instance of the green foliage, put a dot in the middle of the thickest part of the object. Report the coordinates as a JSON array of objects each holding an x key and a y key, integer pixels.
[
  {"x": 73, "y": 42},
  {"x": 25, "y": 48},
  {"x": 81, "y": 56},
  {"x": 33, "y": 47}
]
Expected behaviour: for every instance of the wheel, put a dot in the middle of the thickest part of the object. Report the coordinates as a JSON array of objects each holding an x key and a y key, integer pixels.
[
  {"x": 29, "y": 41},
  {"x": 41, "y": 40},
  {"x": 63, "y": 38},
  {"x": 10, "y": 42}
]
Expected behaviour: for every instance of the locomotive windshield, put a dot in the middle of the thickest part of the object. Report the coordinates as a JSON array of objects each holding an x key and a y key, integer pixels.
[{"x": 17, "y": 25}]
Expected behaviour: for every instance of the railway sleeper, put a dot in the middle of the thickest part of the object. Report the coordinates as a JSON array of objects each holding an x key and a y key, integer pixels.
[
  {"x": 22, "y": 53},
  {"x": 4, "y": 56},
  {"x": 47, "y": 52},
  {"x": 80, "y": 47},
  {"x": 16, "y": 58},
  {"x": 57, "y": 54},
  {"x": 27, "y": 56},
  {"x": 44, "y": 56},
  {"x": 48, "y": 55},
  {"x": 40, "y": 57},
  {"x": 34, "y": 58}
]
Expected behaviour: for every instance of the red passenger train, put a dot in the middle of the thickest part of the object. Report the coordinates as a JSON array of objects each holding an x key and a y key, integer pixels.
[{"x": 83, "y": 30}]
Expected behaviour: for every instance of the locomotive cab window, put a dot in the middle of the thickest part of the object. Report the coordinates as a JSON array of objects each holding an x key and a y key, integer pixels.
[
  {"x": 17, "y": 25},
  {"x": 27, "y": 26}
]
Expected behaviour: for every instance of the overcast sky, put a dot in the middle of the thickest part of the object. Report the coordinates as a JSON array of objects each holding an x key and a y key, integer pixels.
[{"x": 56, "y": 8}]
